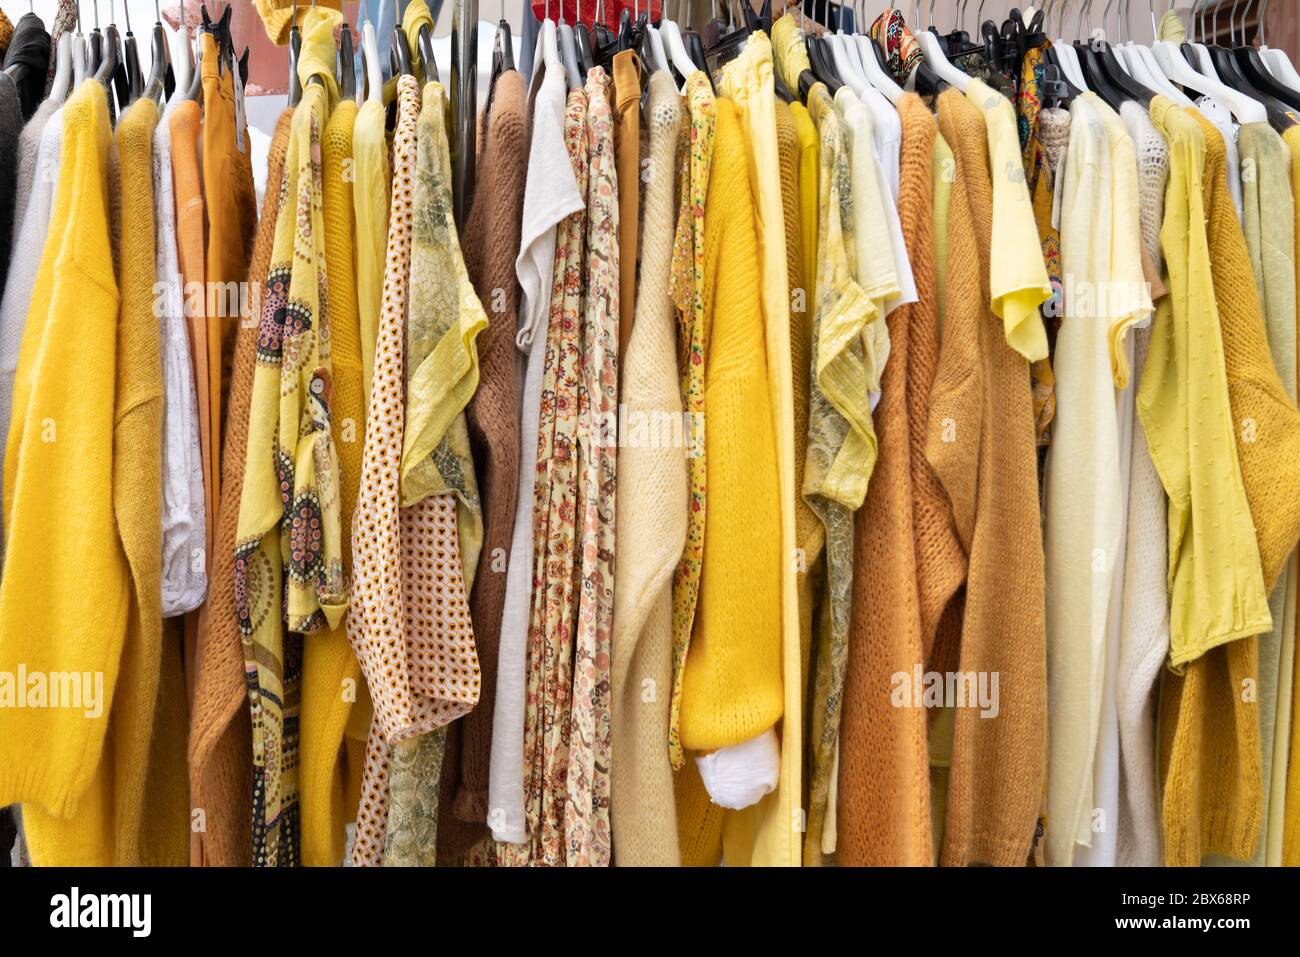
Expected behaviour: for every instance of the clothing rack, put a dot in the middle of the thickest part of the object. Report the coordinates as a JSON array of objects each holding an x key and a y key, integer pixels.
[{"x": 464, "y": 73}]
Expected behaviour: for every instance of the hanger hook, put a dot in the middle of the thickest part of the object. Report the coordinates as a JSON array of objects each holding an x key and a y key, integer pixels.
[
  {"x": 1105, "y": 15},
  {"x": 1245, "y": 14},
  {"x": 1263, "y": 15}
]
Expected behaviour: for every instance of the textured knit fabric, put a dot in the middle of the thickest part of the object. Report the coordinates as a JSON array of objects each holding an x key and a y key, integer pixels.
[
  {"x": 996, "y": 778},
  {"x": 29, "y": 142},
  {"x": 548, "y": 719},
  {"x": 184, "y": 522},
  {"x": 1269, "y": 223},
  {"x": 841, "y": 449},
  {"x": 491, "y": 240},
  {"x": 278, "y": 16},
  {"x": 693, "y": 338},
  {"x": 883, "y": 814},
  {"x": 29, "y": 246},
  {"x": 150, "y": 788},
  {"x": 1144, "y": 621},
  {"x": 1210, "y": 746},
  {"x": 220, "y": 732},
  {"x": 330, "y": 665},
  {"x": 627, "y": 141},
  {"x": 732, "y": 683},
  {"x": 651, "y": 522},
  {"x": 288, "y": 559},
  {"x": 64, "y": 555},
  {"x": 370, "y": 207},
  {"x": 777, "y": 838}
]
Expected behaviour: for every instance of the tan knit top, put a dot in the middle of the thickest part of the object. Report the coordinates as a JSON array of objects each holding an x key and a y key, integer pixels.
[
  {"x": 490, "y": 242},
  {"x": 982, "y": 446}
]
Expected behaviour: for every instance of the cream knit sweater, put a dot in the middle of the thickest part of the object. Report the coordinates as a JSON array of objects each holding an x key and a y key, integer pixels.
[
  {"x": 1144, "y": 611},
  {"x": 651, "y": 522}
]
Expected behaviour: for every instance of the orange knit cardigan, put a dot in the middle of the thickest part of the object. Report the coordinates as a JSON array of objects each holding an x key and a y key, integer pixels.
[
  {"x": 981, "y": 444},
  {"x": 908, "y": 557}
]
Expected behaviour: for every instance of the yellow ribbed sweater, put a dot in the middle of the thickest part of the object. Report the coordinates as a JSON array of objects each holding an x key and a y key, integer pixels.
[
  {"x": 64, "y": 557},
  {"x": 330, "y": 669}
]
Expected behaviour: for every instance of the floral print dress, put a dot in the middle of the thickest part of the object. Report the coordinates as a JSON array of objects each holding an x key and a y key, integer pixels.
[{"x": 552, "y": 617}]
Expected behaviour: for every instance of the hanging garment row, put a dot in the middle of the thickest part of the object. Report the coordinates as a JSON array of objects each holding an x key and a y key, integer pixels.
[{"x": 813, "y": 445}]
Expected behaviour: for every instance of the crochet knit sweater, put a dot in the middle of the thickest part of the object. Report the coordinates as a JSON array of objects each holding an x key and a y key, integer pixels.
[
  {"x": 220, "y": 731},
  {"x": 981, "y": 443},
  {"x": 491, "y": 240},
  {"x": 651, "y": 521}
]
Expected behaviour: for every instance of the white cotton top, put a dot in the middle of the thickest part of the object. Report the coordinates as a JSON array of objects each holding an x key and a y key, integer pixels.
[
  {"x": 550, "y": 194},
  {"x": 184, "y": 531},
  {"x": 28, "y": 248}
]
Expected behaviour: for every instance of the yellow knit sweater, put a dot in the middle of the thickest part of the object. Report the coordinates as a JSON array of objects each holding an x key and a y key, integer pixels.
[
  {"x": 65, "y": 601},
  {"x": 331, "y": 674},
  {"x": 732, "y": 687},
  {"x": 141, "y": 782}
]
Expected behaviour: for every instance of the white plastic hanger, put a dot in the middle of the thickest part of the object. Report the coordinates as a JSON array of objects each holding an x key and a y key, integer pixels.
[
  {"x": 80, "y": 53},
  {"x": 1066, "y": 53},
  {"x": 1278, "y": 63},
  {"x": 939, "y": 63},
  {"x": 62, "y": 70},
  {"x": 671, "y": 35},
  {"x": 374, "y": 85},
  {"x": 1175, "y": 67},
  {"x": 657, "y": 47},
  {"x": 182, "y": 59},
  {"x": 877, "y": 77},
  {"x": 1147, "y": 71}
]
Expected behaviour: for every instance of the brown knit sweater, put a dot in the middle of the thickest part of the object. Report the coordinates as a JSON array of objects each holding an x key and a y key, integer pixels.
[
  {"x": 221, "y": 748},
  {"x": 490, "y": 241},
  {"x": 981, "y": 445},
  {"x": 905, "y": 545}
]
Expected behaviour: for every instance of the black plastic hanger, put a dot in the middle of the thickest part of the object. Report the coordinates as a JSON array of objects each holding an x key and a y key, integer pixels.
[
  {"x": 155, "y": 87},
  {"x": 295, "y": 49},
  {"x": 1252, "y": 67},
  {"x": 503, "y": 46},
  {"x": 134, "y": 75},
  {"x": 347, "y": 63},
  {"x": 694, "y": 44}
]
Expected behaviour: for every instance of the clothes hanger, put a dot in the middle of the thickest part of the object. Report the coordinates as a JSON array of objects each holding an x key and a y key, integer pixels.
[
  {"x": 347, "y": 62},
  {"x": 399, "y": 47},
  {"x": 503, "y": 47},
  {"x": 1066, "y": 56},
  {"x": 1279, "y": 64},
  {"x": 1175, "y": 66},
  {"x": 374, "y": 76},
  {"x": 1099, "y": 79},
  {"x": 121, "y": 83},
  {"x": 80, "y": 53},
  {"x": 423, "y": 49},
  {"x": 62, "y": 81},
  {"x": 568, "y": 51},
  {"x": 295, "y": 48},
  {"x": 602, "y": 35},
  {"x": 819, "y": 59},
  {"x": 104, "y": 73},
  {"x": 934, "y": 54},
  {"x": 678, "y": 58},
  {"x": 1230, "y": 72},
  {"x": 1251, "y": 65},
  {"x": 1104, "y": 57},
  {"x": 873, "y": 62},
  {"x": 155, "y": 87},
  {"x": 582, "y": 41},
  {"x": 134, "y": 75},
  {"x": 923, "y": 78},
  {"x": 694, "y": 44},
  {"x": 1155, "y": 77},
  {"x": 96, "y": 43},
  {"x": 182, "y": 58}
]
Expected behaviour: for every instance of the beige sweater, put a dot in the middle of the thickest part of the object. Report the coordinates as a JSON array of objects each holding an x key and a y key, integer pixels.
[{"x": 651, "y": 522}]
